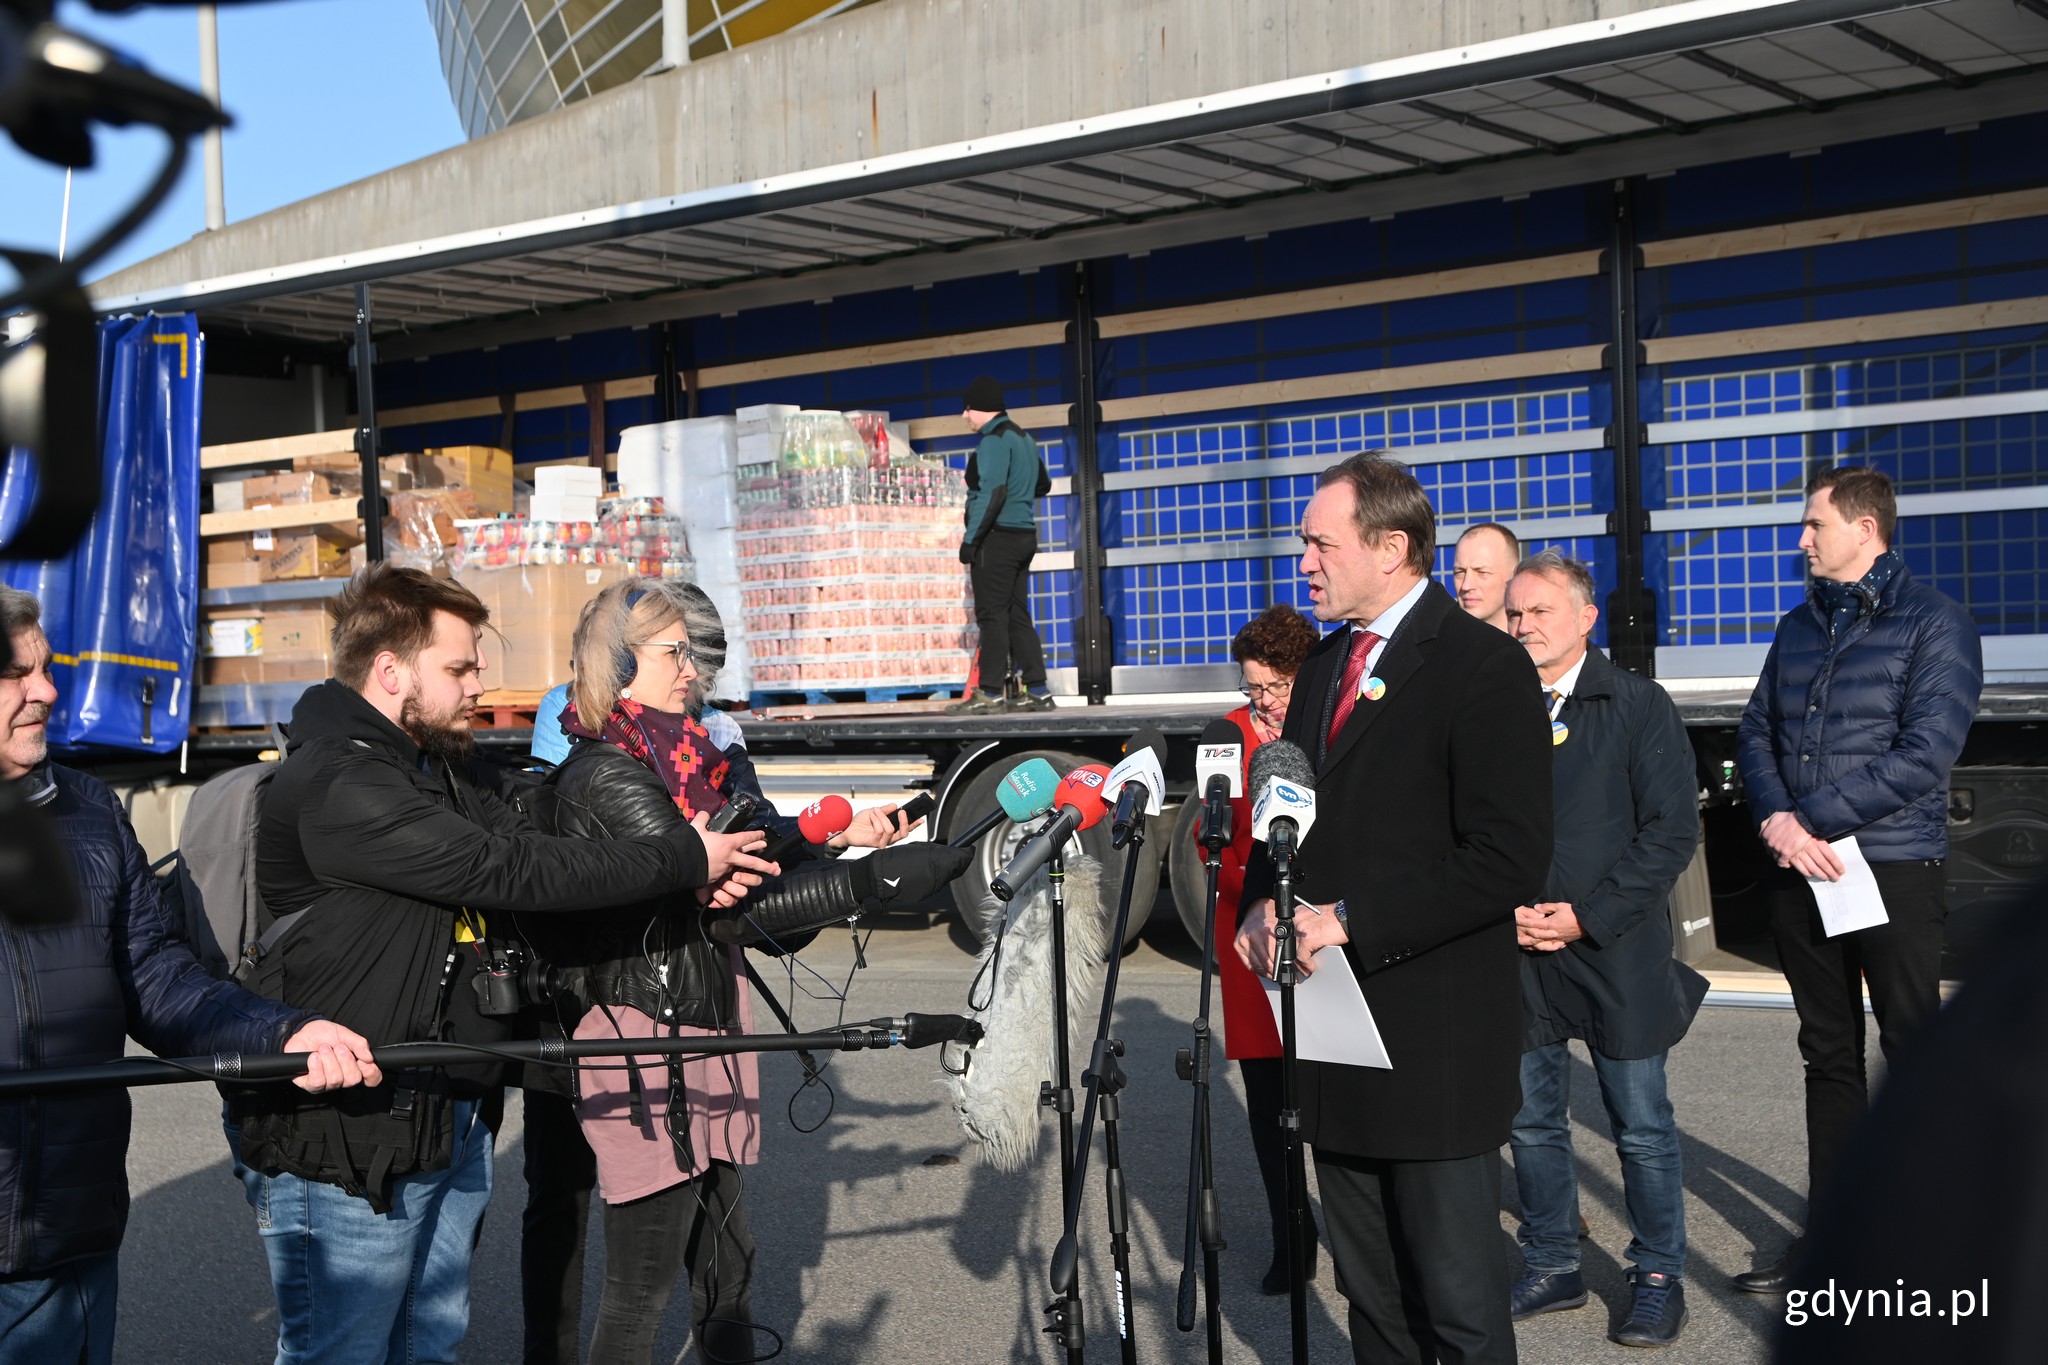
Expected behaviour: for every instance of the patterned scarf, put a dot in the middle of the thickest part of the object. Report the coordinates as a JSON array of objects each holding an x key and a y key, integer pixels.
[
  {"x": 1844, "y": 602},
  {"x": 677, "y": 748}
]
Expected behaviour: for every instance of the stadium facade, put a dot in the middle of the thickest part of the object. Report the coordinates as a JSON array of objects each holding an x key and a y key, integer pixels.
[{"x": 507, "y": 60}]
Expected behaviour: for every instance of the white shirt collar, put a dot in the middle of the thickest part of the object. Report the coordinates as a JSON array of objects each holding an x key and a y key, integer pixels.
[
  {"x": 1564, "y": 686},
  {"x": 1387, "y": 622}
]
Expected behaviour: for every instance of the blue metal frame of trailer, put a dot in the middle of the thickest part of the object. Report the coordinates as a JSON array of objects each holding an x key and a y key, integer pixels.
[
  {"x": 1198, "y": 515},
  {"x": 1623, "y": 296}
]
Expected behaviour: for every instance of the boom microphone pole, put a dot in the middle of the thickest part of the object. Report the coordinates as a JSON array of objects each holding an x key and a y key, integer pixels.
[
  {"x": 1286, "y": 807},
  {"x": 1219, "y": 775},
  {"x": 233, "y": 1068}
]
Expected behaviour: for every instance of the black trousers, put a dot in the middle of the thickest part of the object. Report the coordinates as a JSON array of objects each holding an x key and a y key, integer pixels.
[
  {"x": 1900, "y": 959},
  {"x": 1420, "y": 1257},
  {"x": 1002, "y": 608},
  {"x": 699, "y": 1226}
]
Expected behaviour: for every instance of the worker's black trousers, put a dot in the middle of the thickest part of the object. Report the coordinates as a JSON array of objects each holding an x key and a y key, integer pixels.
[{"x": 1002, "y": 608}]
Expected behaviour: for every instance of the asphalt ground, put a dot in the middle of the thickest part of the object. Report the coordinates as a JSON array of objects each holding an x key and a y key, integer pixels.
[{"x": 883, "y": 1238}]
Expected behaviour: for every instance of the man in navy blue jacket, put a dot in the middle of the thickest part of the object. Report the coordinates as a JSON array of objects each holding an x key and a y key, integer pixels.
[
  {"x": 80, "y": 977},
  {"x": 1859, "y": 714}
]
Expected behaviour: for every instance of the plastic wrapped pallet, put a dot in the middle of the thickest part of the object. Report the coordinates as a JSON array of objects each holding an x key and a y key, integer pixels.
[
  {"x": 850, "y": 574},
  {"x": 692, "y": 465}
]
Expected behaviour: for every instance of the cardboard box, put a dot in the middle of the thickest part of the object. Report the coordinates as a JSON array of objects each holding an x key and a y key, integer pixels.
[
  {"x": 231, "y": 637},
  {"x": 245, "y": 574},
  {"x": 348, "y": 462},
  {"x": 236, "y": 672},
  {"x": 485, "y": 470},
  {"x": 296, "y": 634},
  {"x": 304, "y": 554},
  {"x": 534, "y": 608},
  {"x": 255, "y": 668},
  {"x": 229, "y": 550},
  {"x": 284, "y": 490}
]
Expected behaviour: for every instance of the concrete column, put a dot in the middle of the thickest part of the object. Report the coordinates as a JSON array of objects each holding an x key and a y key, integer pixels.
[
  {"x": 209, "y": 86},
  {"x": 675, "y": 34}
]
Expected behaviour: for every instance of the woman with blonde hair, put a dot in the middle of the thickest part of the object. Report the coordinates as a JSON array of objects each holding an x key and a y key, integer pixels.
[{"x": 662, "y": 1142}]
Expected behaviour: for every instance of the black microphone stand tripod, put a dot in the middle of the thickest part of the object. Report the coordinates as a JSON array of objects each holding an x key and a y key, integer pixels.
[
  {"x": 1104, "y": 1082},
  {"x": 1205, "y": 1215},
  {"x": 1286, "y": 969},
  {"x": 1058, "y": 1095}
]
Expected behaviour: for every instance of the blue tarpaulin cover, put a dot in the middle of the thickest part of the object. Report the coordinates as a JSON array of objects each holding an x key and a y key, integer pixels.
[{"x": 121, "y": 611}]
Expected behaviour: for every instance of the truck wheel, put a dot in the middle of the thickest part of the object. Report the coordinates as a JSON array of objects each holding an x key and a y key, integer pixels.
[
  {"x": 977, "y": 797},
  {"x": 1186, "y": 875}
]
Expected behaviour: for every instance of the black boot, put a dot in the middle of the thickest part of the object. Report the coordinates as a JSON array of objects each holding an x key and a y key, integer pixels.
[
  {"x": 1275, "y": 1280},
  {"x": 1774, "y": 1278}
]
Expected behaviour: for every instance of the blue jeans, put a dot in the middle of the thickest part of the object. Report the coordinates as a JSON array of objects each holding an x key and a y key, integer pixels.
[
  {"x": 356, "y": 1287},
  {"x": 1645, "y": 1136},
  {"x": 68, "y": 1315}
]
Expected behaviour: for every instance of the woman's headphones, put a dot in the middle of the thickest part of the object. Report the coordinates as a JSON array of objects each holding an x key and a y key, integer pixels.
[{"x": 625, "y": 667}]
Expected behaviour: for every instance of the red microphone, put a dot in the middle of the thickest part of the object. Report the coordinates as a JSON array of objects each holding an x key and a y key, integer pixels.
[
  {"x": 815, "y": 823},
  {"x": 1078, "y": 804}
]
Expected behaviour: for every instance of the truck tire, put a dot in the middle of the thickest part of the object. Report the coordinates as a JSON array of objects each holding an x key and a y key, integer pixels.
[
  {"x": 977, "y": 797},
  {"x": 1187, "y": 877}
]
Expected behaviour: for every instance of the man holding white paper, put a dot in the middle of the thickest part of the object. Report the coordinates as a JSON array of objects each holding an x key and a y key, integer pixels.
[
  {"x": 1858, "y": 716},
  {"x": 1432, "y": 774}
]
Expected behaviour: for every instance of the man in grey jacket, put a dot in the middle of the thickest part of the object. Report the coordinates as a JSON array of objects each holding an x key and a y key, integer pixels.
[{"x": 1597, "y": 963}]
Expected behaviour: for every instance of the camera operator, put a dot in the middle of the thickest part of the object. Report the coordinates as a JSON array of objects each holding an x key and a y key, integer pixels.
[
  {"x": 663, "y": 1142},
  {"x": 398, "y": 855}
]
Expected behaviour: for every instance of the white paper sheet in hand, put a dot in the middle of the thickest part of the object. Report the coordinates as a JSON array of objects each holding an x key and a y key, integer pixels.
[
  {"x": 1332, "y": 1022},
  {"x": 1853, "y": 902}
]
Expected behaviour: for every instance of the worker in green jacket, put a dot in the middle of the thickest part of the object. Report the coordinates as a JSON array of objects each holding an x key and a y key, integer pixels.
[{"x": 1004, "y": 478}]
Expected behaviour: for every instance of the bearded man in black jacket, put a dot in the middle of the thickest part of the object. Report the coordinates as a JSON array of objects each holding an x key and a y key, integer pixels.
[{"x": 396, "y": 850}]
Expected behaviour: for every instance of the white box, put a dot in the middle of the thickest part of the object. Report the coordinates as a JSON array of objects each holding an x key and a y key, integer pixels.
[
  {"x": 567, "y": 481},
  {"x": 563, "y": 507}
]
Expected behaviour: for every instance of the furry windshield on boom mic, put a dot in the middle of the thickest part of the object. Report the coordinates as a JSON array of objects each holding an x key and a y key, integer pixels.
[{"x": 1282, "y": 759}]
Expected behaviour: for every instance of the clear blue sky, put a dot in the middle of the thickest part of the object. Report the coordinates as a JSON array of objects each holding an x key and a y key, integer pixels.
[{"x": 323, "y": 92}]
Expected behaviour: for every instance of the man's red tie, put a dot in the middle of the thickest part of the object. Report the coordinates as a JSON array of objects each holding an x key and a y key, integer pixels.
[{"x": 1362, "y": 642}]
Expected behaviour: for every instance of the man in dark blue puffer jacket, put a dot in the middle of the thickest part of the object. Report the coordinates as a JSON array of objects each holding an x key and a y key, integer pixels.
[
  {"x": 77, "y": 978},
  {"x": 1859, "y": 714}
]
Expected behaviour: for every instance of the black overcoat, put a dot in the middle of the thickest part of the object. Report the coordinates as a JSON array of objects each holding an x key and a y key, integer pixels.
[
  {"x": 1627, "y": 824},
  {"x": 1433, "y": 824}
]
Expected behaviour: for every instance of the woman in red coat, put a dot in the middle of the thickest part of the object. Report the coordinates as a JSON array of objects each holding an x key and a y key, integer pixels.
[{"x": 1270, "y": 650}]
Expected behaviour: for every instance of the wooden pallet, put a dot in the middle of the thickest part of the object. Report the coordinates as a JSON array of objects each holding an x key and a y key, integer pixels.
[
  {"x": 507, "y": 710},
  {"x": 769, "y": 700}
]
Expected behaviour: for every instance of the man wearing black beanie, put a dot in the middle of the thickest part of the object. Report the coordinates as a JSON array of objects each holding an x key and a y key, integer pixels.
[{"x": 1004, "y": 477}]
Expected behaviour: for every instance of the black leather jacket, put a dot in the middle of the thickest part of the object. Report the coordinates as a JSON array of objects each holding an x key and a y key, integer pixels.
[{"x": 659, "y": 963}]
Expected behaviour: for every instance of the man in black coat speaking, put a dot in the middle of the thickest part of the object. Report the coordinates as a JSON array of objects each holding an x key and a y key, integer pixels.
[
  {"x": 1597, "y": 962},
  {"x": 1433, "y": 786}
]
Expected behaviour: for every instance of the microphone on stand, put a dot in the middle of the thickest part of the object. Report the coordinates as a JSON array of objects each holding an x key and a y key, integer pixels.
[
  {"x": 1219, "y": 776},
  {"x": 1284, "y": 806},
  {"x": 1282, "y": 813},
  {"x": 1079, "y": 806},
  {"x": 1136, "y": 783}
]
